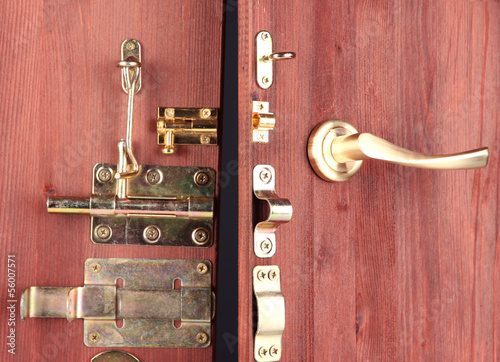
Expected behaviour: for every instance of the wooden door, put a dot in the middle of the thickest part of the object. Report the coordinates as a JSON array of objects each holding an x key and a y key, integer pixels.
[
  {"x": 63, "y": 111},
  {"x": 396, "y": 263}
]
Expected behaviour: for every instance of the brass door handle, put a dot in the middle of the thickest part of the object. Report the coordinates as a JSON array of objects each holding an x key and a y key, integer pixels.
[{"x": 336, "y": 151}]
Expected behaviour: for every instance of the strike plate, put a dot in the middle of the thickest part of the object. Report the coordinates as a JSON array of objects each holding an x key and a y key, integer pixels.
[
  {"x": 183, "y": 227},
  {"x": 280, "y": 211},
  {"x": 147, "y": 303},
  {"x": 271, "y": 313}
]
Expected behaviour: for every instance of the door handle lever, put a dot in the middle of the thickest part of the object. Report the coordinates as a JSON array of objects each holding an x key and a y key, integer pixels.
[{"x": 336, "y": 151}]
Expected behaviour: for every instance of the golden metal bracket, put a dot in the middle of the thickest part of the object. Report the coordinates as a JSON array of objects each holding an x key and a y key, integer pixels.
[
  {"x": 147, "y": 303},
  {"x": 280, "y": 211},
  {"x": 265, "y": 58},
  {"x": 270, "y": 313},
  {"x": 336, "y": 152},
  {"x": 186, "y": 126},
  {"x": 262, "y": 122}
]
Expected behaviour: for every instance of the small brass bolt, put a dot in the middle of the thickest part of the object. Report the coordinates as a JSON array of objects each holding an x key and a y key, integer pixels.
[
  {"x": 201, "y": 178},
  {"x": 130, "y": 46},
  {"x": 151, "y": 234},
  {"x": 274, "y": 351},
  {"x": 103, "y": 232},
  {"x": 104, "y": 175},
  {"x": 272, "y": 275},
  {"x": 202, "y": 268},
  {"x": 265, "y": 36},
  {"x": 263, "y": 351},
  {"x": 95, "y": 268},
  {"x": 205, "y": 140},
  {"x": 153, "y": 177},
  {"x": 265, "y": 80},
  {"x": 266, "y": 246},
  {"x": 200, "y": 236},
  {"x": 94, "y": 337},
  {"x": 265, "y": 176},
  {"x": 205, "y": 113},
  {"x": 169, "y": 112},
  {"x": 261, "y": 275},
  {"x": 202, "y": 338}
]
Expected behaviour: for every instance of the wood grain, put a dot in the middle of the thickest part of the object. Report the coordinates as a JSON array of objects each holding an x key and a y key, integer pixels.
[
  {"x": 396, "y": 263},
  {"x": 63, "y": 111}
]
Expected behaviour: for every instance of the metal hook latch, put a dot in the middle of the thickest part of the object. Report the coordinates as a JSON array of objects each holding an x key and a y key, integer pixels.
[
  {"x": 147, "y": 204},
  {"x": 266, "y": 57},
  {"x": 131, "y": 84},
  {"x": 280, "y": 211}
]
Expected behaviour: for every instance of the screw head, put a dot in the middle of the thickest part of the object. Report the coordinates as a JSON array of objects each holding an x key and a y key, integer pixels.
[
  {"x": 151, "y": 234},
  {"x": 272, "y": 275},
  {"x": 263, "y": 351},
  {"x": 266, "y": 246},
  {"x": 274, "y": 351},
  {"x": 261, "y": 275},
  {"x": 169, "y": 112},
  {"x": 265, "y": 80},
  {"x": 104, "y": 175},
  {"x": 103, "y": 232},
  {"x": 265, "y": 176},
  {"x": 260, "y": 106},
  {"x": 200, "y": 236},
  {"x": 201, "y": 178},
  {"x": 202, "y": 338},
  {"x": 154, "y": 176},
  {"x": 205, "y": 113},
  {"x": 130, "y": 46},
  {"x": 265, "y": 36},
  {"x": 205, "y": 140},
  {"x": 94, "y": 337},
  {"x": 95, "y": 268},
  {"x": 202, "y": 268}
]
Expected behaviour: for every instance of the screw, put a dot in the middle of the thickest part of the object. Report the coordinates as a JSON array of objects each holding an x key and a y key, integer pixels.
[
  {"x": 169, "y": 112},
  {"x": 95, "y": 268},
  {"x": 94, "y": 337},
  {"x": 260, "y": 106},
  {"x": 265, "y": 176},
  {"x": 201, "y": 178},
  {"x": 272, "y": 274},
  {"x": 263, "y": 351},
  {"x": 151, "y": 234},
  {"x": 266, "y": 246},
  {"x": 202, "y": 337},
  {"x": 202, "y": 268},
  {"x": 205, "y": 140},
  {"x": 130, "y": 46},
  {"x": 153, "y": 177},
  {"x": 261, "y": 275},
  {"x": 265, "y": 80},
  {"x": 265, "y": 36},
  {"x": 274, "y": 351},
  {"x": 200, "y": 236},
  {"x": 104, "y": 175},
  {"x": 205, "y": 113},
  {"x": 103, "y": 232}
]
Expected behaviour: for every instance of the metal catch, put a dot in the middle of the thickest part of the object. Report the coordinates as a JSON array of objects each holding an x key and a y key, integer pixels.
[{"x": 280, "y": 211}]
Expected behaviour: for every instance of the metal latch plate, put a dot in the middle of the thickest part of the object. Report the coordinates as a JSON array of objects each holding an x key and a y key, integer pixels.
[
  {"x": 147, "y": 302},
  {"x": 159, "y": 183}
]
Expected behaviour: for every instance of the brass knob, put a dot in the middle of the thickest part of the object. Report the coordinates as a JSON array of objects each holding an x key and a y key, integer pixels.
[{"x": 336, "y": 151}]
